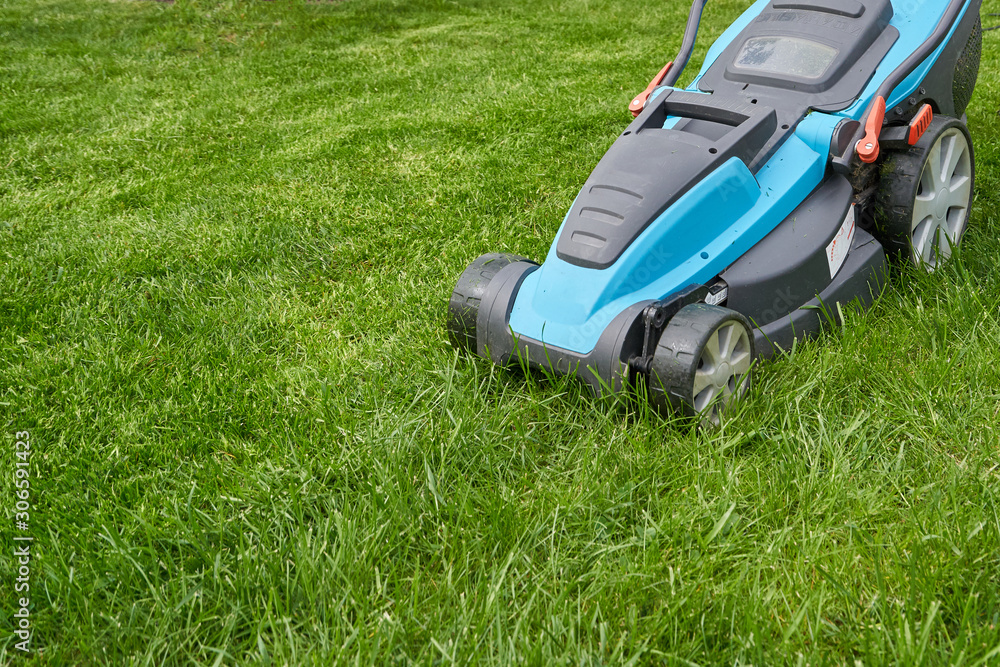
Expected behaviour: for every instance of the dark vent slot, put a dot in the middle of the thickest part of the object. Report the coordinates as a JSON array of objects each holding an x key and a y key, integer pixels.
[{"x": 852, "y": 9}]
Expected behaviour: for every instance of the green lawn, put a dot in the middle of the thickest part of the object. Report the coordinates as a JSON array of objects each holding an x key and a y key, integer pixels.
[{"x": 228, "y": 232}]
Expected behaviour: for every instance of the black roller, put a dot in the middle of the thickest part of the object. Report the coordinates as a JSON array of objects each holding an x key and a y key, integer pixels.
[{"x": 463, "y": 307}]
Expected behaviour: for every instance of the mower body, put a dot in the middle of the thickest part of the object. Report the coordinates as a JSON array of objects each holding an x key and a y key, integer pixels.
[{"x": 742, "y": 190}]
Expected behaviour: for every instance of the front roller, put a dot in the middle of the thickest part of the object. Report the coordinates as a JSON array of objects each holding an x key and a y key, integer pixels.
[
  {"x": 695, "y": 357},
  {"x": 479, "y": 322},
  {"x": 466, "y": 298}
]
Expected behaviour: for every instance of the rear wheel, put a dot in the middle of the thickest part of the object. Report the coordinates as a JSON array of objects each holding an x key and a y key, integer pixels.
[
  {"x": 702, "y": 362},
  {"x": 926, "y": 194},
  {"x": 463, "y": 307}
]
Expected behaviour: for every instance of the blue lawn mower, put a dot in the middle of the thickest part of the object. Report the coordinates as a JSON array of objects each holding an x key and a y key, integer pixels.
[{"x": 819, "y": 139}]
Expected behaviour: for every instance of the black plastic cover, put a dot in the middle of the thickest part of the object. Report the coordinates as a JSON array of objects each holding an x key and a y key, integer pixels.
[
  {"x": 790, "y": 266},
  {"x": 861, "y": 278},
  {"x": 648, "y": 168},
  {"x": 860, "y": 34}
]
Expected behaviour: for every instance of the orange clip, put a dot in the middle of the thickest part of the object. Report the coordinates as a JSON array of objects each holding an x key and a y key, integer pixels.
[
  {"x": 867, "y": 147},
  {"x": 919, "y": 124},
  {"x": 640, "y": 100}
]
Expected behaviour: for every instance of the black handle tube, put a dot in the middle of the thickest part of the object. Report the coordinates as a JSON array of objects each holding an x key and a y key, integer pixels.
[
  {"x": 843, "y": 162},
  {"x": 687, "y": 44}
]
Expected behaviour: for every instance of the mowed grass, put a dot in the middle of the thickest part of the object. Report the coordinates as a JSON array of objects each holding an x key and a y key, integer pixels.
[{"x": 227, "y": 236}]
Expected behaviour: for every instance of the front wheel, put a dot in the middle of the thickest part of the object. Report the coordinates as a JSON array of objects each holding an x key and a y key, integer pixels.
[
  {"x": 463, "y": 307},
  {"x": 702, "y": 362}
]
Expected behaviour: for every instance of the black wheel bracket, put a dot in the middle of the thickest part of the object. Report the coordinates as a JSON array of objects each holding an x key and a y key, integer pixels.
[{"x": 655, "y": 318}]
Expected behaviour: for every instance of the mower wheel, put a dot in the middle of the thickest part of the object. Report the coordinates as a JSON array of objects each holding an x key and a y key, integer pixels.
[
  {"x": 926, "y": 194},
  {"x": 702, "y": 361},
  {"x": 463, "y": 308}
]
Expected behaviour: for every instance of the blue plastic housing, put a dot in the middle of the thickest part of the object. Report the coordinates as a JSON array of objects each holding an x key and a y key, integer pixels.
[{"x": 568, "y": 306}]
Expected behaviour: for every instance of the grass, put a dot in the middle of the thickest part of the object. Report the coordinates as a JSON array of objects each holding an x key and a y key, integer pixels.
[{"x": 227, "y": 234}]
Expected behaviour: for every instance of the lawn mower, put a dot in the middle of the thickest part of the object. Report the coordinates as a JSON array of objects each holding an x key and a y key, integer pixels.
[{"x": 821, "y": 139}]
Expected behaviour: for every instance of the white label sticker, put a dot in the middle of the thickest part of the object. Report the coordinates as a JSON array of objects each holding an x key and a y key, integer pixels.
[{"x": 836, "y": 252}]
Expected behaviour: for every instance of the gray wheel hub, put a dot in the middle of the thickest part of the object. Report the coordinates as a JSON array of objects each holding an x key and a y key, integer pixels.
[
  {"x": 941, "y": 207},
  {"x": 721, "y": 366}
]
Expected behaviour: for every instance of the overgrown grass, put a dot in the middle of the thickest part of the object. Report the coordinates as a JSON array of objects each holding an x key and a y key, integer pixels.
[{"x": 227, "y": 234}]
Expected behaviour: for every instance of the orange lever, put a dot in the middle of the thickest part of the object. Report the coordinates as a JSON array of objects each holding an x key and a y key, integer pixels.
[
  {"x": 919, "y": 124},
  {"x": 640, "y": 100},
  {"x": 867, "y": 147}
]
